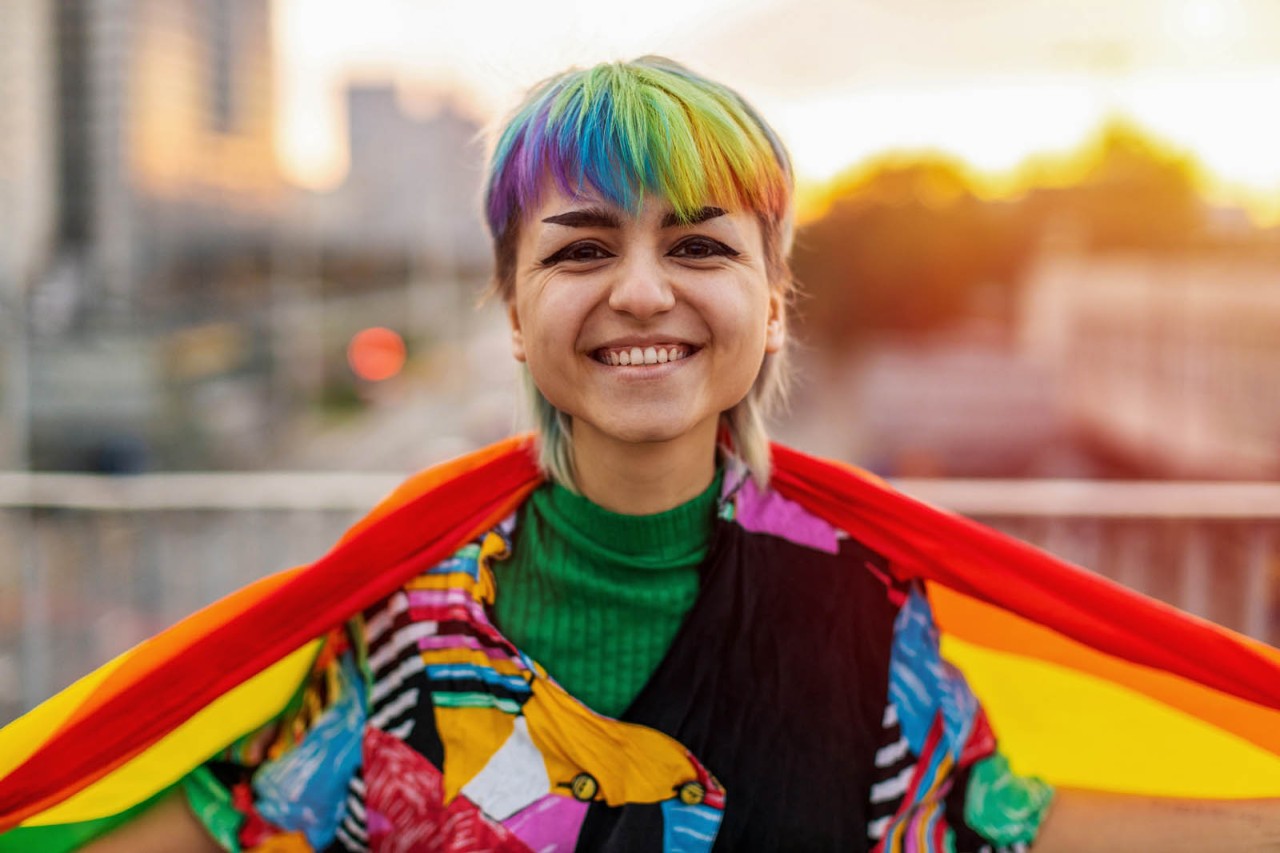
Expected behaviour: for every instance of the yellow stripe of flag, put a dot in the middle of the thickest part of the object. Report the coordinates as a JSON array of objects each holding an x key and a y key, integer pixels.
[{"x": 1079, "y": 730}]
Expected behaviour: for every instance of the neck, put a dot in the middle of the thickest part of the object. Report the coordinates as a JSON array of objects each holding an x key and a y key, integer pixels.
[{"x": 641, "y": 478}]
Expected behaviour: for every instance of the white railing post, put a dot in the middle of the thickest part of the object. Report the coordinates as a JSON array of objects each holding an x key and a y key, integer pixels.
[
  {"x": 1133, "y": 558},
  {"x": 1196, "y": 570},
  {"x": 36, "y": 616},
  {"x": 1258, "y": 594}
]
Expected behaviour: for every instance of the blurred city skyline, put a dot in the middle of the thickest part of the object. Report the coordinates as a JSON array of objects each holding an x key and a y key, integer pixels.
[
  {"x": 178, "y": 290},
  {"x": 993, "y": 83}
]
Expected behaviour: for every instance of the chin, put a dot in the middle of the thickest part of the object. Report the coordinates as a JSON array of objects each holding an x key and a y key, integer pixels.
[
  {"x": 644, "y": 433},
  {"x": 644, "y": 428}
]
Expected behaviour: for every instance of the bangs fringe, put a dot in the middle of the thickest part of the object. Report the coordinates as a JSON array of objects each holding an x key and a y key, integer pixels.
[{"x": 627, "y": 129}]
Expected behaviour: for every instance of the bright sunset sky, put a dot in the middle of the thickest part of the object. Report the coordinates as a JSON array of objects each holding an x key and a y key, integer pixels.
[{"x": 992, "y": 81}]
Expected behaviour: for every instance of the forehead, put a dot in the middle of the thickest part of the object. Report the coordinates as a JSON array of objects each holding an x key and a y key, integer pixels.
[{"x": 553, "y": 199}]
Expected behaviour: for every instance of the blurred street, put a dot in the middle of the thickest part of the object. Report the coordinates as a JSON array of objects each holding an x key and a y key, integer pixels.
[{"x": 459, "y": 395}]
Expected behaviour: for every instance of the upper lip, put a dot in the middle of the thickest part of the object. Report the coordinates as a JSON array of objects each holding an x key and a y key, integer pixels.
[{"x": 643, "y": 342}]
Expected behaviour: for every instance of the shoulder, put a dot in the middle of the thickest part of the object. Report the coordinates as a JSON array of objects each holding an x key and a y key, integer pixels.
[{"x": 790, "y": 539}]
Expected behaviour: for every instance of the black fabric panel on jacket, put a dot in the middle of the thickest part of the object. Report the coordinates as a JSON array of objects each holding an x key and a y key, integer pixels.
[
  {"x": 635, "y": 827},
  {"x": 424, "y": 738},
  {"x": 777, "y": 682}
]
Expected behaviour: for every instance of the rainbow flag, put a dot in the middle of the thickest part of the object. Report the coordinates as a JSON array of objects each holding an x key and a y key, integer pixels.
[{"x": 1086, "y": 683}]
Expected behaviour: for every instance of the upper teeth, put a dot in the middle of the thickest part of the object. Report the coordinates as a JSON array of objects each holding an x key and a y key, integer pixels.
[{"x": 643, "y": 355}]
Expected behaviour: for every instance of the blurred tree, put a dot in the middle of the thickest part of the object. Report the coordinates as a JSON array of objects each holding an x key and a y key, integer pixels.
[
  {"x": 902, "y": 247},
  {"x": 1133, "y": 193},
  {"x": 905, "y": 243}
]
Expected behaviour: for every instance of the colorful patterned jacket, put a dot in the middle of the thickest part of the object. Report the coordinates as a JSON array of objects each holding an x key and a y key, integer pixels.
[
  {"x": 839, "y": 627},
  {"x": 803, "y": 706}
]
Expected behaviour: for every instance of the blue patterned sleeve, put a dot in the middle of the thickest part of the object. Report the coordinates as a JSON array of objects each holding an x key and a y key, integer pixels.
[{"x": 941, "y": 784}]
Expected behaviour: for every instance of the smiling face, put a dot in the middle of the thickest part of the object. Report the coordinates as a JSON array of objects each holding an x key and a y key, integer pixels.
[{"x": 641, "y": 328}]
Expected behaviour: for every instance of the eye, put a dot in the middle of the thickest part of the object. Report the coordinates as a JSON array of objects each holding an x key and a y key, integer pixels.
[
  {"x": 577, "y": 253},
  {"x": 701, "y": 248}
]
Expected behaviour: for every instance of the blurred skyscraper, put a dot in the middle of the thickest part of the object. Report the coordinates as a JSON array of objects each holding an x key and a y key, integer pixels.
[
  {"x": 28, "y": 143},
  {"x": 140, "y": 196},
  {"x": 166, "y": 139},
  {"x": 28, "y": 188},
  {"x": 413, "y": 185}
]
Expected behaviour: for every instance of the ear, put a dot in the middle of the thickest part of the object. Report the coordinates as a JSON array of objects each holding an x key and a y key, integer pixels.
[
  {"x": 775, "y": 331},
  {"x": 517, "y": 336}
]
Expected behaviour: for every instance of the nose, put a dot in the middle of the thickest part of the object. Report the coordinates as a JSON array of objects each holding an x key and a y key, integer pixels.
[{"x": 641, "y": 289}]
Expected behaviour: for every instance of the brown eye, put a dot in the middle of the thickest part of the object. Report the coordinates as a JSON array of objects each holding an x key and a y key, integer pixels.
[
  {"x": 701, "y": 248},
  {"x": 578, "y": 253}
]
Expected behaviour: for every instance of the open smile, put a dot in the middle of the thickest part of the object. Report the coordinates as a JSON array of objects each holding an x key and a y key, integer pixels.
[{"x": 641, "y": 355}]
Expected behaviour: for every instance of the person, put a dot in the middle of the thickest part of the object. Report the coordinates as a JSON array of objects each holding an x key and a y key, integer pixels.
[{"x": 657, "y": 650}]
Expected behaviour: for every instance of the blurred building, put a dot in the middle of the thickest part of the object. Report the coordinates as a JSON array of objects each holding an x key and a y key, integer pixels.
[
  {"x": 166, "y": 128},
  {"x": 28, "y": 192},
  {"x": 28, "y": 142},
  {"x": 959, "y": 403},
  {"x": 413, "y": 186},
  {"x": 1169, "y": 365},
  {"x": 165, "y": 194}
]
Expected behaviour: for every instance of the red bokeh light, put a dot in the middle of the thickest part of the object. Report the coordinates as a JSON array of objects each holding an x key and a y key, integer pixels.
[{"x": 376, "y": 354}]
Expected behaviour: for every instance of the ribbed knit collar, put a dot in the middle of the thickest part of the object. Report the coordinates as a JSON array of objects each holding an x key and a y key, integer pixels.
[{"x": 674, "y": 539}]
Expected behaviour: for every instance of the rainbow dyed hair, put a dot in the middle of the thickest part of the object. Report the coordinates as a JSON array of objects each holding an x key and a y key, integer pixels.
[{"x": 623, "y": 130}]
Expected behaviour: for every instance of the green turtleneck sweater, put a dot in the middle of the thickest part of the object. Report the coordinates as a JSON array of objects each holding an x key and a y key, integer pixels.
[{"x": 596, "y": 597}]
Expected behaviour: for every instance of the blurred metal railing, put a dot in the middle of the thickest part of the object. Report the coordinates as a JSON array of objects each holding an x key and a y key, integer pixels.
[
  {"x": 91, "y": 565},
  {"x": 1212, "y": 549}
]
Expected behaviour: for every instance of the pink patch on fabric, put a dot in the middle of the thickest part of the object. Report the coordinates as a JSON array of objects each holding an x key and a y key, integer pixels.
[
  {"x": 375, "y": 823},
  {"x": 771, "y": 513},
  {"x": 444, "y": 605},
  {"x": 435, "y": 642},
  {"x": 550, "y": 825},
  {"x": 406, "y": 792}
]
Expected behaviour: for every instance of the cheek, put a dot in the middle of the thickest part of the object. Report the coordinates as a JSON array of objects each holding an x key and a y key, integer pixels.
[
  {"x": 551, "y": 321},
  {"x": 545, "y": 321},
  {"x": 743, "y": 321}
]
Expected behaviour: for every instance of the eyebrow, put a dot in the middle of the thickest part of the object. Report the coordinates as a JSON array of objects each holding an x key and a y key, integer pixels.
[
  {"x": 672, "y": 220},
  {"x": 589, "y": 217},
  {"x": 601, "y": 217}
]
